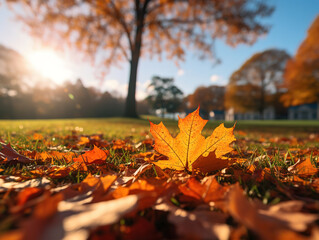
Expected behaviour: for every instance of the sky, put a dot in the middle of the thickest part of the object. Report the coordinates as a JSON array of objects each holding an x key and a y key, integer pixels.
[{"x": 289, "y": 24}]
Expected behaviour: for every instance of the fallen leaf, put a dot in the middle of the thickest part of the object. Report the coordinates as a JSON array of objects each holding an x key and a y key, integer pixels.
[
  {"x": 37, "y": 137},
  {"x": 27, "y": 194},
  {"x": 73, "y": 220},
  {"x": 94, "y": 187},
  {"x": 196, "y": 224},
  {"x": 66, "y": 156},
  {"x": 38, "y": 182},
  {"x": 8, "y": 154},
  {"x": 84, "y": 141},
  {"x": 122, "y": 145},
  {"x": 42, "y": 216},
  {"x": 137, "y": 173},
  {"x": 189, "y": 145},
  {"x": 96, "y": 156},
  {"x": 141, "y": 229},
  {"x": 208, "y": 190},
  {"x": 303, "y": 168},
  {"x": 276, "y": 222}
]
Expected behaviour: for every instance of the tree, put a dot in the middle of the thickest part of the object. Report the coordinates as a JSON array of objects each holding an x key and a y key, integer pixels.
[
  {"x": 14, "y": 72},
  {"x": 208, "y": 98},
  {"x": 129, "y": 29},
  {"x": 14, "y": 76},
  {"x": 164, "y": 95},
  {"x": 258, "y": 81},
  {"x": 302, "y": 72}
]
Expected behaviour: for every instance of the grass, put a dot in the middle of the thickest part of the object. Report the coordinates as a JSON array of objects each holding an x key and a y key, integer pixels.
[
  {"x": 123, "y": 127},
  {"x": 252, "y": 136},
  {"x": 270, "y": 147}
]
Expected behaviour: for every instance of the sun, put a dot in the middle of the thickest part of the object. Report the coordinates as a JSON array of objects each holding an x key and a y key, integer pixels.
[{"x": 50, "y": 65}]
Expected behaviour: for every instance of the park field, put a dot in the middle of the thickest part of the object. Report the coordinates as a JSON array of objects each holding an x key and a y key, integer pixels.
[
  {"x": 66, "y": 175},
  {"x": 137, "y": 128}
]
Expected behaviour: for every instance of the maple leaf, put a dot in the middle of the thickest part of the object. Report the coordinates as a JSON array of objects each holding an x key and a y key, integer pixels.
[
  {"x": 96, "y": 156},
  {"x": 303, "y": 168},
  {"x": 190, "y": 147}
]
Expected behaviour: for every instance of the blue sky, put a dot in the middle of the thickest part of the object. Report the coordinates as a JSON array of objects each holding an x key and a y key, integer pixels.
[{"x": 289, "y": 22}]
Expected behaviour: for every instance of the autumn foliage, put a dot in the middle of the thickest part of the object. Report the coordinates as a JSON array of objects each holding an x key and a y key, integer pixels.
[
  {"x": 184, "y": 187},
  {"x": 301, "y": 73},
  {"x": 258, "y": 83}
]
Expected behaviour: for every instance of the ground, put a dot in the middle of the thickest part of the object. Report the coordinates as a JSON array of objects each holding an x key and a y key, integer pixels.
[{"x": 99, "y": 179}]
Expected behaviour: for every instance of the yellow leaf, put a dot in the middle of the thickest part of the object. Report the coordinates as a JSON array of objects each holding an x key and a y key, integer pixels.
[{"x": 189, "y": 145}]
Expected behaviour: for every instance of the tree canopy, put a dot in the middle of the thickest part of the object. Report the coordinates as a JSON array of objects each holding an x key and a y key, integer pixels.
[
  {"x": 257, "y": 82},
  {"x": 114, "y": 31},
  {"x": 302, "y": 71}
]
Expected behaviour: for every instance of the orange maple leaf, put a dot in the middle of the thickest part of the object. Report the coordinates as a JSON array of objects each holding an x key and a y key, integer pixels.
[
  {"x": 190, "y": 148},
  {"x": 96, "y": 156},
  {"x": 303, "y": 168}
]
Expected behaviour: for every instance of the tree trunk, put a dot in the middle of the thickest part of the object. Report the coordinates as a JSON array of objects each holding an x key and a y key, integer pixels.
[
  {"x": 262, "y": 97},
  {"x": 130, "y": 105}
]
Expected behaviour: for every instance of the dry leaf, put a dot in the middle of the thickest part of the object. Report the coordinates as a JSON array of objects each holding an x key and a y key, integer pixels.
[
  {"x": 196, "y": 224},
  {"x": 189, "y": 145},
  {"x": 28, "y": 193},
  {"x": 90, "y": 186},
  {"x": 96, "y": 156},
  {"x": 8, "y": 154},
  {"x": 276, "y": 222},
  {"x": 303, "y": 168},
  {"x": 73, "y": 220},
  {"x": 209, "y": 190},
  {"x": 37, "y": 182}
]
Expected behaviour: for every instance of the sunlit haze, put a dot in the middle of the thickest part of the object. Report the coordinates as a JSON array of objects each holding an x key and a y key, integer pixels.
[{"x": 50, "y": 65}]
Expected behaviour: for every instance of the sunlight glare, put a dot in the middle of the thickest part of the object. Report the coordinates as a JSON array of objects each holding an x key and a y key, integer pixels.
[{"x": 50, "y": 65}]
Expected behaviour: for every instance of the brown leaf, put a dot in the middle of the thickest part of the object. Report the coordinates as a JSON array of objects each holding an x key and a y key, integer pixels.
[
  {"x": 212, "y": 163},
  {"x": 91, "y": 186},
  {"x": 8, "y": 154},
  {"x": 74, "y": 220},
  {"x": 37, "y": 182},
  {"x": 197, "y": 224},
  {"x": 272, "y": 223}
]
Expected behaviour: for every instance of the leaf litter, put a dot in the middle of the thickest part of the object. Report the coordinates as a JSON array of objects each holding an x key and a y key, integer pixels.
[{"x": 187, "y": 187}]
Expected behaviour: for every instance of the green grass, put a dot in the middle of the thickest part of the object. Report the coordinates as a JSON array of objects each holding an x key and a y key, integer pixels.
[{"x": 123, "y": 127}]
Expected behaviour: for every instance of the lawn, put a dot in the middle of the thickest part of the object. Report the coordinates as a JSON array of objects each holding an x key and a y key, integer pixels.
[
  {"x": 101, "y": 178},
  {"x": 123, "y": 127}
]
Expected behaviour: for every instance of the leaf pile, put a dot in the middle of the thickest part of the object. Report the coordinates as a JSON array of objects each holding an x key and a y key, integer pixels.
[{"x": 187, "y": 187}]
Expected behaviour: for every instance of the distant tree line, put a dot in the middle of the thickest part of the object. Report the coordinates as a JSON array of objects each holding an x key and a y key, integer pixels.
[
  {"x": 70, "y": 100},
  {"x": 23, "y": 94}
]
